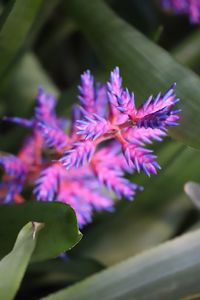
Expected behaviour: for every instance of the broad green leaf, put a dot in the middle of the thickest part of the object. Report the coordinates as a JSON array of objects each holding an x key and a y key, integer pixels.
[
  {"x": 13, "y": 265},
  {"x": 168, "y": 272},
  {"x": 145, "y": 67},
  {"x": 157, "y": 212},
  {"x": 192, "y": 189},
  {"x": 59, "y": 234},
  {"x": 15, "y": 24}
]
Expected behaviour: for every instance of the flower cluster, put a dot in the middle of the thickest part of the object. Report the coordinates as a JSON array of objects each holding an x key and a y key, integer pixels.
[
  {"x": 82, "y": 161},
  {"x": 189, "y": 7}
]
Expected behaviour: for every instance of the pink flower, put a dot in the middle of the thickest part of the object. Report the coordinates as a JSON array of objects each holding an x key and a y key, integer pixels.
[{"x": 86, "y": 166}]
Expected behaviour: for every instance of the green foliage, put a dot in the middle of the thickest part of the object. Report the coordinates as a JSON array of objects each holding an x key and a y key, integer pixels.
[
  {"x": 15, "y": 23},
  {"x": 170, "y": 271},
  {"x": 59, "y": 234},
  {"x": 13, "y": 265}
]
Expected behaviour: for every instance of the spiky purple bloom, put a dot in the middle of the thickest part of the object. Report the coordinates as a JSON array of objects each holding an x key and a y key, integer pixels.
[
  {"x": 112, "y": 177},
  {"x": 86, "y": 166},
  {"x": 93, "y": 127},
  {"x": 16, "y": 171},
  {"x": 48, "y": 182},
  {"x": 45, "y": 107},
  {"x": 79, "y": 153},
  {"x": 189, "y": 7},
  {"x": 86, "y": 90},
  {"x": 53, "y": 135},
  {"x": 13, "y": 166}
]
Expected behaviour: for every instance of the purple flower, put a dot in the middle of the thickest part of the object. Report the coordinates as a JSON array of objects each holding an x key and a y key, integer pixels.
[
  {"x": 140, "y": 158},
  {"x": 113, "y": 179},
  {"x": 16, "y": 171},
  {"x": 115, "y": 85},
  {"x": 132, "y": 127},
  {"x": 93, "y": 127},
  {"x": 45, "y": 107},
  {"x": 86, "y": 166},
  {"x": 20, "y": 121},
  {"x": 53, "y": 135},
  {"x": 13, "y": 166},
  {"x": 80, "y": 153},
  {"x": 44, "y": 112},
  {"x": 84, "y": 198},
  {"x": 87, "y": 93},
  {"x": 142, "y": 136},
  {"x": 189, "y": 7},
  {"x": 48, "y": 182}
]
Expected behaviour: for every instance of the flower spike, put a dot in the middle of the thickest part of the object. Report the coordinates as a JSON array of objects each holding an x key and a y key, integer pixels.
[
  {"x": 87, "y": 94},
  {"x": 93, "y": 127},
  {"x": 13, "y": 166},
  {"x": 45, "y": 107},
  {"x": 48, "y": 182},
  {"x": 86, "y": 166},
  {"x": 80, "y": 153},
  {"x": 53, "y": 136},
  {"x": 20, "y": 121}
]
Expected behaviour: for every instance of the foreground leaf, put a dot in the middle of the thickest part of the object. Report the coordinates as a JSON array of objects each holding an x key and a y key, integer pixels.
[
  {"x": 145, "y": 67},
  {"x": 59, "y": 234},
  {"x": 168, "y": 272},
  {"x": 13, "y": 265},
  {"x": 16, "y": 22}
]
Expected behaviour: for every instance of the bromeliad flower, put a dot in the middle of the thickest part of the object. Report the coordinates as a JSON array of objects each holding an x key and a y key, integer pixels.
[
  {"x": 85, "y": 167},
  {"x": 132, "y": 127},
  {"x": 189, "y": 7}
]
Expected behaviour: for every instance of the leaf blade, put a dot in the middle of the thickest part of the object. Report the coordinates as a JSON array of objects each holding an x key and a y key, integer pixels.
[
  {"x": 170, "y": 271},
  {"x": 13, "y": 265},
  {"x": 59, "y": 234},
  {"x": 16, "y": 22}
]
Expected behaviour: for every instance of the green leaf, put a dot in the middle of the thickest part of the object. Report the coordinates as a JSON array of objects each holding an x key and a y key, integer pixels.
[
  {"x": 170, "y": 271},
  {"x": 16, "y": 23},
  {"x": 13, "y": 265},
  {"x": 60, "y": 233},
  {"x": 145, "y": 67}
]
